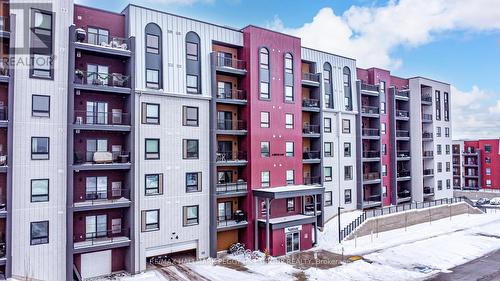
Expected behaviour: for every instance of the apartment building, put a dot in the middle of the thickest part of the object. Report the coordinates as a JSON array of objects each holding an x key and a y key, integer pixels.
[
  {"x": 143, "y": 134},
  {"x": 475, "y": 164}
]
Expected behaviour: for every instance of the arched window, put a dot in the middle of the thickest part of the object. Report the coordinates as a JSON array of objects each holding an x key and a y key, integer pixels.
[
  {"x": 347, "y": 89},
  {"x": 327, "y": 84},
  {"x": 265, "y": 92},
  {"x": 289, "y": 96},
  {"x": 193, "y": 63},
  {"x": 153, "y": 61}
]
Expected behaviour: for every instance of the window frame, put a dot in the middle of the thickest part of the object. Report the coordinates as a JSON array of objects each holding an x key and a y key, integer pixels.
[
  {"x": 348, "y": 173},
  {"x": 39, "y": 113},
  {"x": 47, "y": 195},
  {"x": 263, "y": 154},
  {"x": 287, "y": 124},
  {"x": 290, "y": 204},
  {"x": 325, "y": 152},
  {"x": 152, "y": 49},
  {"x": 265, "y": 183},
  {"x": 346, "y": 130},
  {"x": 46, "y": 238},
  {"x": 35, "y": 51},
  {"x": 347, "y": 153},
  {"x": 327, "y": 129},
  {"x": 292, "y": 152},
  {"x": 185, "y": 146},
  {"x": 190, "y": 122},
  {"x": 185, "y": 219},
  {"x": 145, "y": 118},
  {"x": 347, "y": 195},
  {"x": 152, "y": 84},
  {"x": 150, "y": 155},
  {"x": 144, "y": 225},
  {"x": 266, "y": 124},
  {"x": 198, "y": 185},
  {"x": 328, "y": 202},
  {"x": 290, "y": 181},
  {"x": 159, "y": 188},
  {"x": 328, "y": 178},
  {"x": 40, "y": 153}
]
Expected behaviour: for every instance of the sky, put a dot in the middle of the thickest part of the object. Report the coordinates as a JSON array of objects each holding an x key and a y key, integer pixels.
[{"x": 456, "y": 41}]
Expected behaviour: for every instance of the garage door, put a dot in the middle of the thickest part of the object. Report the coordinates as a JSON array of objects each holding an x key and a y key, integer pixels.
[{"x": 96, "y": 264}]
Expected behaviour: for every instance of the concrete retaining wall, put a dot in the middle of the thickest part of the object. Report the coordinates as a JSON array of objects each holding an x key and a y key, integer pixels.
[
  {"x": 474, "y": 195},
  {"x": 412, "y": 217}
]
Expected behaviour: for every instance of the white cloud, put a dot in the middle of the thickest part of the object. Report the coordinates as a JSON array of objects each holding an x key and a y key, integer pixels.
[{"x": 370, "y": 34}]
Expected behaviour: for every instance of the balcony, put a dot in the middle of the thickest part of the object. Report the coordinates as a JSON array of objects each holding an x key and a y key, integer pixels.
[
  {"x": 371, "y": 155},
  {"x": 403, "y": 155},
  {"x": 104, "y": 45},
  {"x": 105, "y": 199},
  {"x": 370, "y": 133},
  {"x": 470, "y": 164},
  {"x": 310, "y": 105},
  {"x": 402, "y": 115},
  {"x": 426, "y": 118},
  {"x": 368, "y": 89},
  {"x": 231, "y": 96},
  {"x": 426, "y": 136},
  {"x": 471, "y": 186},
  {"x": 471, "y": 175},
  {"x": 234, "y": 221},
  {"x": 371, "y": 177},
  {"x": 403, "y": 94},
  {"x": 428, "y": 172},
  {"x": 4, "y": 27},
  {"x": 101, "y": 240},
  {"x": 309, "y": 209},
  {"x": 468, "y": 152},
  {"x": 427, "y": 99},
  {"x": 232, "y": 189},
  {"x": 402, "y": 134},
  {"x": 403, "y": 175},
  {"x": 231, "y": 158},
  {"x": 4, "y": 116},
  {"x": 370, "y": 111},
  {"x": 404, "y": 196},
  {"x": 311, "y": 131},
  {"x": 231, "y": 127},
  {"x": 311, "y": 157},
  {"x": 312, "y": 180},
  {"x": 372, "y": 201},
  {"x": 311, "y": 79},
  {"x": 228, "y": 65},
  {"x": 101, "y": 160},
  {"x": 428, "y": 191},
  {"x": 102, "y": 121},
  {"x": 102, "y": 82},
  {"x": 428, "y": 154}
]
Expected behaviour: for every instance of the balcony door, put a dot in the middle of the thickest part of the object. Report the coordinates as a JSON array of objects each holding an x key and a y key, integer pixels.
[
  {"x": 96, "y": 188},
  {"x": 224, "y": 120},
  {"x": 225, "y": 177},
  {"x": 292, "y": 242},
  {"x": 97, "y": 74},
  {"x": 95, "y": 226},
  {"x": 225, "y": 211},
  {"x": 225, "y": 150},
  {"x": 224, "y": 59},
  {"x": 224, "y": 90},
  {"x": 96, "y": 145},
  {"x": 97, "y": 112}
]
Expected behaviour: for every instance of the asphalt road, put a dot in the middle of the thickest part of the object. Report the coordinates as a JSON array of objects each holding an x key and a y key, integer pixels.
[{"x": 485, "y": 268}]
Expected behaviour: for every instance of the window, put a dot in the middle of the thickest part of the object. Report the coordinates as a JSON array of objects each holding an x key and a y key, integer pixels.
[
  {"x": 447, "y": 132},
  {"x": 439, "y": 149},
  {"x": 41, "y": 42},
  {"x": 384, "y": 191},
  {"x": 328, "y": 174},
  {"x": 446, "y": 107},
  {"x": 346, "y": 126},
  {"x": 438, "y": 105},
  {"x": 328, "y": 149},
  {"x": 290, "y": 204},
  {"x": 487, "y": 148},
  {"x": 190, "y": 116},
  {"x": 97, "y": 36},
  {"x": 488, "y": 183},
  {"x": 39, "y": 233},
  {"x": 193, "y": 182},
  {"x": 40, "y": 190},
  {"x": 327, "y": 81},
  {"x": 152, "y": 78},
  {"x": 190, "y": 149},
  {"x": 152, "y": 148},
  {"x": 440, "y": 185},
  {"x": 382, "y": 108},
  {"x": 384, "y": 170},
  {"x": 264, "y": 120},
  {"x": 438, "y": 132},
  {"x": 347, "y": 89},
  {"x": 264, "y": 149},
  {"x": 152, "y": 44},
  {"x": 191, "y": 51},
  {"x": 290, "y": 177},
  {"x": 264, "y": 74},
  {"x": 448, "y": 166},
  {"x": 150, "y": 220},
  {"x": 440, "y": 167},
  {"x": 192, "y": 48},
  {"x": 328, "y": 198},
  {"x": 97, "y": 74},
  {"x": 289, "y": 149},
  {"x": 347, "y": 196},
  {"x": 384, "y": 149},
  {"x": 154, "y": 184},
  {"x": 39, "y": 148},
  {"x": 40, "y": 106},
  {"x": 382, "y": 128},
  {"x": 288, "y": 78},
  {"x": 289, "y": 121},
  {"x": 327, "y": 126},
  {"x": 448, "y": 149},
  {"x": 190, "y": 215},
  {"x": 192, "y": 84},
  {"x": 488, "y": 171},
  {"x": 347, "y": 173},
  {"x": 347, "y": 149},
  {"x": 150, "y": 113},
  {"x": 487, "y": 159},
  {"x": 264, "y": 179}
]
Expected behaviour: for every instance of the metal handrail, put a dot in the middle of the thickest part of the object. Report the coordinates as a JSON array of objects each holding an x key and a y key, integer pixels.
[
  {"x": 222, "y": 61},
  {"x": 428, "y": 172},
  {"x": 101, "y": 79},
  {"x": 87, "y": 157},
  {"x": 369, "y": 87},
  {"x": 371, "y": 176},
  {"x": 312, "y": 180},
  {"x": 370, "y": 132},
  {"x": 370, "y": 109},
  {"x": 101, "y": 118},
  {"x": 310, "y": 76},
  {"x": 228, "y": 187},
  {"x": 402, "y": 134},
  {"x": 403, "y": 93},
  {"x": 311, "y": 155},
  {"x": 98, "y": 237},
  {"x": 231, "y": 94},
  {"x": 427, "y": 98},
  {"x": 402, "y": 113},
  {"x": 110, "y": 195},
  {"x": 310, "y": 129},
  {"x": 230, "y": 124},
  {"x": 427, "y": 117},
  {"x": 371, "y": 154},
  {"x": 226, "y": 156},
  {"x": 310, "y": 103}
]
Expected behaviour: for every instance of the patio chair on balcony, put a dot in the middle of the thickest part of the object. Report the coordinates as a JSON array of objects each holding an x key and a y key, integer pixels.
[
  {"x": 118, "y": 44},
  {"x": 119, "y": 80},
  {"x": 103, "y": 157},
  {"x": 3, "y": 160}
]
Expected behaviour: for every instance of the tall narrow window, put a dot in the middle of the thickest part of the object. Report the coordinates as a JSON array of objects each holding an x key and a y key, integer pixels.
[
  {"x": 327, "y": 81},
  {"x": 264, "y": 74},
  {"x": 153, "y": 56},
  {"x": 438, "y": 105},
  {"x": 288, "y": 75},
  {"x": 193, "y": 63},
  {"x": 347, "y": 89},
  {"x": 41, "y": 49},
  {"x": 446, "y": 107}
]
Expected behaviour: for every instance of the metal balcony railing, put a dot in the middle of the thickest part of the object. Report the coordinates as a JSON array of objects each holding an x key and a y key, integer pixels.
[
  {"x": 232, "y": 219},
  {"x": 371, "y": 154},
  {"x": 428, "y": 190},
  {"x": 402, "y": 113},
  {"x": 370, "y": 109},
  {"x": 371, "y": 132},
  {"x": 402, "y": 134},
  {"x": 231, "y": 94},
  {"x": 312, "y": 180},
  {"x": 427, "y": 117},
  {"x": 310, "y": 76},
  {"x": 369, "y": 87},
  {"x": 404, "y": 193},
  {"x": 223, "y": 61},
  {"x": 404, "y": 173},
  {"x": 101, "y": 117},
  {"x": 427, "y": 135},
  {"x": 427, "y": 98},
  {"x": 403, "y": 153},
  {"x": 101, "y": 79},
  {"x": 428, "y": 153},
  {"x": 94, "y": 197},
  {"x": 371, "y": 176},
  {"x": 309, "y": 208},
  {"x": 230, "y": 124},
  {"x": 428, "y": 172},
  {"x": 403, "y": 93},
  {"x": 101, "y": 157},
  {"x": 4, "y": 114},
  {"x": 310, "y": 103},
  {"x": 100, "y": 237},
  {"x": 229, "y": 187},
  {"x": 104, "y": 41},
  {"x": 372, "y": 198},
  {"x": 227, "y": 156},
  {"x": 311, "y": 155},
  {"x": 310, "y": 129}
]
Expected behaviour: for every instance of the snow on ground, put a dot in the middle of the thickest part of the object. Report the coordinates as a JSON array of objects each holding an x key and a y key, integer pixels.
[{"x": 331, "y": 229}]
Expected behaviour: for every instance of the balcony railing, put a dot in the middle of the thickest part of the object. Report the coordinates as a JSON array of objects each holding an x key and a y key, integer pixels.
[
  {"x": 403, "y": 153},
  {"x": 370, "y": 109},
  {"x": 371, "y": 132},
  {"x": 372, "y": 199},
  {"x": 229, "y": 187},
  {"x": 470, "y": 163},
  {"x": 402, "y": 174},
  {"x": 230, "y": 124},
  {"x": 309, "y": 208},
  {"x": 371, "y": 154},
  {"x": 227, "y": 156},
  {"x": 101, "y": 157},
  {"x": 404, "y": 193},
  {"x": 428, "y": 190},
  {"x": 428, "y": 153},
  {"x": 402, "y": 113},
  {"x": 97, "y": 197},
  {"x": 3, "y": 113},
  {"x": 310, "y": 103},
  {"x": 428, "y": 172},
  {"x": 231, "y": 94},
  {"x": 310, "y": 76},
  {"x": 311, "y": 155},
  {"x": 369, "y": 87},
  {"x": 427, "y": 98},
  {"x": 310, "y": 129},
  {"x": 312, "y": 180},
  {"x": 427, "y": 135},
  {"x": 427, "y": 117},
  {"x": 233, "y": 219},
  {"x": 4, "y": 24},
  {"x": 101, "y": 79},
  {"x": 403, "y": 93},
  {"x": 222, "y": 61},
  {"x": 103, "y": 41},
  {"x": 101, "y": 237},
  {"x": 402, "y": 134},
  {"x": 101, "y": 117},
  {"x": 371, "y": 176}
]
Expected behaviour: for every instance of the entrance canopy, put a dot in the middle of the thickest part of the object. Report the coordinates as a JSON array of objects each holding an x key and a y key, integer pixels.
[{"x": 288, "y": 191}]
